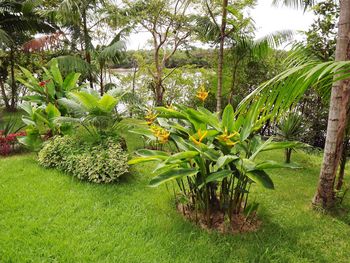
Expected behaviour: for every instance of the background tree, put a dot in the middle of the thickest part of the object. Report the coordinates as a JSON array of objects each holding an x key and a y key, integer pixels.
[
  {"x": 18, "y": 21},
  {"x": 169, "y": 24},
  {"x": 221, "y": 20}
]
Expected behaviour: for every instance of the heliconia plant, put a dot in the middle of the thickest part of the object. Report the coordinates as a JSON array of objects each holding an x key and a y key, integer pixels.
[
  {"x": 51, "y": 86},
  {"x": 215, "y": 163},
  {"x": 40, "y": 125}
]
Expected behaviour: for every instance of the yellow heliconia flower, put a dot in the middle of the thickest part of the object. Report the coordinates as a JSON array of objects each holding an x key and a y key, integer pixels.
[
  {"x": 202, "y": 94},
  {"x": 226, "y": 137},
  {"x": 170, "y": 106},
  {"x": 201, "y": 136},
  {"x": 150, "y": 117},
  {"x": 161, "y": 133}
]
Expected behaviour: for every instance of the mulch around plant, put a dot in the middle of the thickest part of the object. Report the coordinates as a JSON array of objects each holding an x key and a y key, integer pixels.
[{"x": 239, "y": 222}]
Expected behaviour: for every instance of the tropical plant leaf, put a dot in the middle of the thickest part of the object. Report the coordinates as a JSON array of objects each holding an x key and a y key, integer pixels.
[
  {"x": 172, "y": 175},
  {"x": 261, "y": 178},
  {"x": 218, "y": 176}
]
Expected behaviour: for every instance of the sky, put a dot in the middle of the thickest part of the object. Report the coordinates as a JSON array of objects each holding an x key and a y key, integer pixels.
[{"x": 267, "y": 19}]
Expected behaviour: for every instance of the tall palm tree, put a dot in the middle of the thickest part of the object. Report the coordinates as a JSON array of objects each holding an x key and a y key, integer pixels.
[{"x": 18, "y": 19}]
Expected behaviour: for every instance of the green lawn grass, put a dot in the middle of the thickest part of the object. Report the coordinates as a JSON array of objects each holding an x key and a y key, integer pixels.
[{"x": 48, "y": 216}]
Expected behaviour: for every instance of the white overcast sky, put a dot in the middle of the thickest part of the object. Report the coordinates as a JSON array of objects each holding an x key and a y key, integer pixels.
[{"x": 267, "y": 19}]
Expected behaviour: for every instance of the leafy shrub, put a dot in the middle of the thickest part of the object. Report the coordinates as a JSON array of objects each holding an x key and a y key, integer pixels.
[
  {"x": 215, "y": 164},
  {"x": 99, "y": 163}
]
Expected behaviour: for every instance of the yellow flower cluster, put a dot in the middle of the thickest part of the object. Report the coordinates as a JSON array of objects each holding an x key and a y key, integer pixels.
[
  {"x": 202, "y": 94},
  {"x": 226, "y": 138},
  {"x": 201, "y": 136},
  {"x": 161, "y": 133},
  {"x": 150, "y": 117}
]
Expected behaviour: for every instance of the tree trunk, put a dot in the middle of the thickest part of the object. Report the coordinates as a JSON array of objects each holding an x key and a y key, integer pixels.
[
  {"x": 337, "y": 117},
  {"x": 102, "y": 88},
  {"x": 288, "y": 154},
  {"x": 342, "y": 165},
  {"x": 4, "y": 96},
  {"x": 159, "y": 93},
  {"x": 233, "y": 82},
  {"x": 87, "y": 46},
  {"x": 13, "y": 81},
  {"x": 221, "y": 56}
]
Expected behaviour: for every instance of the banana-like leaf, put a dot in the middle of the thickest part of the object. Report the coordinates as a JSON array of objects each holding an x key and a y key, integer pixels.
[
  {"x": 261, "y": 147},
  {"x": 226, "y": 159},
  {"x": 55, "y": 72},
  {"x": 182, "y": 155},
  {"x": 144, "y": 132},
  {"x": 146, "y": 152},
  {"x": 137, "y": 160},
  {"x": 170, "y": 113},
  {"x": 218, "y": 176},
  {"x": 172, "y": 175},
  {"x": 107, "y": 103},
  {"x": 273, "y": 165},
  {"x": 261, "y": 178},
  {"x": 70, "y": 82},
  {"x": 52, "y": 112},
  {"x": 228, "y": 118},
  {"x": 284, "y": 145}
]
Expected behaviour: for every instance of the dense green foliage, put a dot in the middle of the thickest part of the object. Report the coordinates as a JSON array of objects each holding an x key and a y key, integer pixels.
[
  {"x": 215, "y": 164},
  {"x": 105, "y": 162}
]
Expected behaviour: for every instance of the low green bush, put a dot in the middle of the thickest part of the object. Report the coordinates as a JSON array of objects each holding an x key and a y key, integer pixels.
[{"x": 104, "y": 162}]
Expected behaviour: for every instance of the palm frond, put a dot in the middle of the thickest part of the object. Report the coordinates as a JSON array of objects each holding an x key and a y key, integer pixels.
[
  {"x": 298, "y": 4},
  {"x": 69, "y": 63},
  {"x": 113, "y": 52},
  {"x": 280, "y": 94}
]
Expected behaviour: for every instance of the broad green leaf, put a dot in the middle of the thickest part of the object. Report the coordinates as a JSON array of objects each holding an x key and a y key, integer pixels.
[
  {"x": 228, "y": 118},
  {"x": 87, "y": 100},
  {"x": 146, "y": 152},
  {"x": 197, "y": 119},
  {"x": 218, "y": 176},
  {"x": 182, "y": 155},
  {"x": 34, "y": 98},
  {"x": 247, "y": 165},
  {"x": 224, "y": 160},
  {"x": 27, "y": 107},
  {"x": 107, "y": 103},
  {"x": 260, "y": 148},
  {"x": 145, "y": 132},
  {"x": 70, "y": 82},
  {"x": 212, "y": 118},
  {"x": 284, "y": 145},
  {"x": 52, "y": 112},
  {"x": 172, "y": 175},
  {"x": 29, "y": 76},
  {"x": 147, "y": 159},
  {"x": 55, "y": 72},
  {"x": 273, "y": 165},
  {"x": 162, "y": 168},
  {"x": 170, "y": 113},
  {"x": 261, "y": 178}
]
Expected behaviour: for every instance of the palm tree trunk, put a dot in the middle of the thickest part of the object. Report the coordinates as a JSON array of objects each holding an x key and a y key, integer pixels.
[
  {"x": 87, "y": 46},
  {"x": 233, "y": 82},
  {"x": 13, "y": 81},
  {"x": 337, "y": 117},
  {"x": 221, "y": 55},
  {"x": 288, "y": 154},
  {"x": 102, "y": 88},
  {"x": 342, "y": 165},
  {"x": 4, "y": 96}
]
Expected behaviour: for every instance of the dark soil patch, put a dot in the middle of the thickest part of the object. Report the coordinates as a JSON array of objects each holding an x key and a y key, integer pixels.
[{"x": 239, "y": 223}]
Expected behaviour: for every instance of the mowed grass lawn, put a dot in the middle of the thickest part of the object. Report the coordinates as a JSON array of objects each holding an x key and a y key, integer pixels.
[{"x": 48, "y": 216}]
